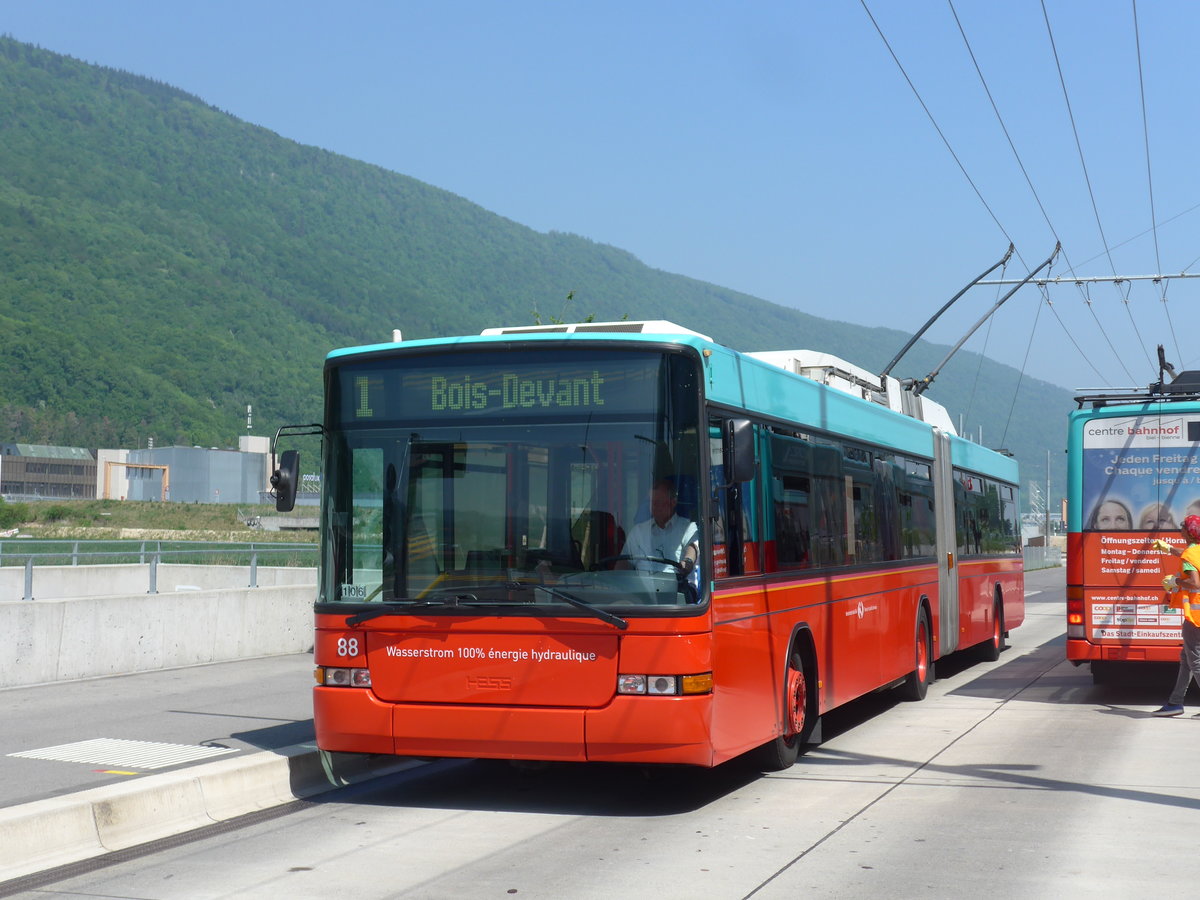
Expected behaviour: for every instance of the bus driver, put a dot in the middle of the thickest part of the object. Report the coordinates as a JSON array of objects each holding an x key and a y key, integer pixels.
[{"x": 664, "y": 539}]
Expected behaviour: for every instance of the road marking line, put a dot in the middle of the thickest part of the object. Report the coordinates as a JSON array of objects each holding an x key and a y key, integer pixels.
[{"x": 126, "y": 754}]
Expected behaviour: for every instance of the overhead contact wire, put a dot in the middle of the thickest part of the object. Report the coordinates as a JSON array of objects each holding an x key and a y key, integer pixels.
[
  {"x": 979, "y": 368},
  {"x": 1071, "y": 337},
  {"x": 1029, "y": 181},
  {"x": 1130, "y": 240},
  {"x": 1086, "y": 177},
  {"x": 1087, "y": 299},
  {"x": 933, "y": 121},
  {"x": 1137, "y": 38},
  {"x": 1021, "y": 373}
]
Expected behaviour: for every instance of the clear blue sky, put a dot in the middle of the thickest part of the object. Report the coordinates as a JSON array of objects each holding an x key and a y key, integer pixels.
[{"x": 773, "y": 147}]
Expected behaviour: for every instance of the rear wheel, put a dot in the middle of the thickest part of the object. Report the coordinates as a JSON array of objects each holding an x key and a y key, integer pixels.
[
  {"x": 799, "y": 720},
  {"x": 989, "y": 650},
  {"x": 916, "y": 683}
]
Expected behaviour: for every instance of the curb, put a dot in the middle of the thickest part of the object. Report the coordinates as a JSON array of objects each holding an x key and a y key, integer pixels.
[{"x": 47, "y": 833}]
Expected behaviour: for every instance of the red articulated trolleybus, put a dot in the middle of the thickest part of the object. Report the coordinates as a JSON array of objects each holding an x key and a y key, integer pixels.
[
  {"x": 480, "y": 594},
  {"x": 1133, "y": 475}
]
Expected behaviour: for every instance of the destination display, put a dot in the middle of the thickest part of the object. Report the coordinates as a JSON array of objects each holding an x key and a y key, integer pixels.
[{"x": 501, "y": 385}]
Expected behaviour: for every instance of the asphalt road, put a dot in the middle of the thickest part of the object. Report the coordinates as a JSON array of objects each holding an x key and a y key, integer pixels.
[
  {"x": 240, "y": 707},
  {"x": 1017, "y": 778}
]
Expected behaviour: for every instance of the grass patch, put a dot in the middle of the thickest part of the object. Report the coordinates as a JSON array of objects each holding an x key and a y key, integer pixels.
[{"x": 98, "y": 519}]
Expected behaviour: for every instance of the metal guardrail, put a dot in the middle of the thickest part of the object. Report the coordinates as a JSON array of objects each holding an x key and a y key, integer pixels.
[
  {"x": 29, "y": 553},
  {"x": 1042, "y": 558}
]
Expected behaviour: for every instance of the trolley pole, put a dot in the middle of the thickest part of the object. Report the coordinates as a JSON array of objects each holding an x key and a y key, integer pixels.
[
  {"x": 919, "y": 386},
  {"x": 937, "y": 315}
]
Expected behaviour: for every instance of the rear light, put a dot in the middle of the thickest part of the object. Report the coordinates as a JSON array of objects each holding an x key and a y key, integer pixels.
[
  {"x": 1075, "y": 623},
  {"x": 665, "y": 685},
  {"x": 330, "y": 676}
]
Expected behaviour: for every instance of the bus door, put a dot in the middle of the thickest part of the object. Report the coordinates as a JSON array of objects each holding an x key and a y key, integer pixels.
[{"x": 946, "y": 544}]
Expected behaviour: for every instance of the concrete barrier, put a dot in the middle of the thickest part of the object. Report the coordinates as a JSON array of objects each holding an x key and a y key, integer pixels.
[
  {"x": 38, "y": 836},
  {"x": 45, "y": 641}
]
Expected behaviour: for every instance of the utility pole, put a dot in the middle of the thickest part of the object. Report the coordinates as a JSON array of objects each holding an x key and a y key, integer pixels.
[{"x": 1047, "y": 499}]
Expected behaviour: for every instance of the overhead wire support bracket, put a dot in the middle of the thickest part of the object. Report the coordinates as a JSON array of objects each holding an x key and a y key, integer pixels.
[
  {"x": 916, "y": 337},
  {"x": 1094, "y": 279},
  {"x": 920, "y": 386}
]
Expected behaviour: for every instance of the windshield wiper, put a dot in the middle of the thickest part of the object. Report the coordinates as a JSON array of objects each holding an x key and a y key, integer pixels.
[
  {"x": 388, "y": 608},
  {"x": 398, "y": 607},
  {"x": 601, "y": 614}
]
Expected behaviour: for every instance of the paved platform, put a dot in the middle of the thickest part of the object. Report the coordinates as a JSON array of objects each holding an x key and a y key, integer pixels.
[{"x": 94, "y": 766}]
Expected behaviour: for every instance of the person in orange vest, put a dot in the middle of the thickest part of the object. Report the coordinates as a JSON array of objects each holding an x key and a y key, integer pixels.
[{"x": 1183, "y": 593}]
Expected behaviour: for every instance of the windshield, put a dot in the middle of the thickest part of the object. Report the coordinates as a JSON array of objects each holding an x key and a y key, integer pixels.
[{"x": 518, "y": 483}]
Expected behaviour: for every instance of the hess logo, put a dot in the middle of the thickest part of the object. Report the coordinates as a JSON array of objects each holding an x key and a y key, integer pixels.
[{"x": 489, "y": 683}]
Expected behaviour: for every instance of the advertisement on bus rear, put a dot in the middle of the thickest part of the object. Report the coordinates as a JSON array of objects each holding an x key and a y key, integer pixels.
[
  {"x": 1140, "y": 479},
  {"x": 1140, "y": 473}
]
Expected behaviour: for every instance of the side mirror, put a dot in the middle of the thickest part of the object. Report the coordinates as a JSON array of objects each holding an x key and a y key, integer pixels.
[
  {"x": 740, "y": 441},
  {"x": 284, "y": 480}
]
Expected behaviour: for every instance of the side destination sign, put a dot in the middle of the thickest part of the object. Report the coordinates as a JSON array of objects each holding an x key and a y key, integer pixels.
[{"x": 401, "y": 389}]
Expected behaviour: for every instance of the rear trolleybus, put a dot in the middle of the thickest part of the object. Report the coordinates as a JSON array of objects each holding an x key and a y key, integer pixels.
[
  {"x": 1133, "y": 471},
  {"x": 477, "y": 597}
]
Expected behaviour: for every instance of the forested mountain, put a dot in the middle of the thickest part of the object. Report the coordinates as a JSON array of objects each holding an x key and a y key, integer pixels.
[{"x": 163, "y": 264}]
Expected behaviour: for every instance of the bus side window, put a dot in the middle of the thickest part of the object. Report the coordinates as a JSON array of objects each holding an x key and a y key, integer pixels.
[
  {"x": 718, "y": 525},
  {"x": 748, "y": 500},
  {"x": 734, "y": 525}
]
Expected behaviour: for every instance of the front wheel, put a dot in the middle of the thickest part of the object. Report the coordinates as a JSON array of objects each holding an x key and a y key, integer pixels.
[
  {"x": 916, "y": 683},
  {"x": 800, "y": 720}
]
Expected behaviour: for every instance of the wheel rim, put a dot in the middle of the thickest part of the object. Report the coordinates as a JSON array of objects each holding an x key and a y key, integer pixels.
[
  {"x": 996, "y": 631},
  {"x": 922, "y": 652},
  {"x": 797, "y": 692}
]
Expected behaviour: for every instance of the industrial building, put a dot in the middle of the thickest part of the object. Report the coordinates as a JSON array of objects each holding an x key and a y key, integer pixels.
[
  {"x": 176, "y": 474},
  {"x": 38, "y": 472}
]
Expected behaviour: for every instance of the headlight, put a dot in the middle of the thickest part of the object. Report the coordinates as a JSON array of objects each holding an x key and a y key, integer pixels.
[
  {"x": 330, "y": 676},
  {"x": 661, "y": 684},
  {"x": 631, "y": 684},
  {"x": 665, "y": 685}
]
